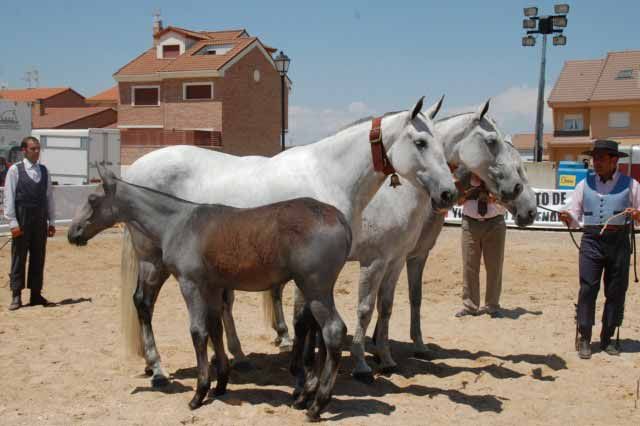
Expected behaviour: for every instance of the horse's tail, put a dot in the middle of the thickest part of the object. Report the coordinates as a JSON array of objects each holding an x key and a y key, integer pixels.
[
  {"x": 131, "y": 331},
  {"x": 268, "y": 313}
]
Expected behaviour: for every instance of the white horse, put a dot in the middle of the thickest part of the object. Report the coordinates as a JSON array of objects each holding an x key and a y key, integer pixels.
[
  {"x": 388, "y": 235},
  {"x": 337, "y": 170}
]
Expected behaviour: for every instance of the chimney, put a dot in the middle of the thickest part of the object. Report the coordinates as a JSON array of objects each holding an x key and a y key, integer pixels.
[
  {"x": 157, "y": 26},
  {"x": 40, "y": 105}
]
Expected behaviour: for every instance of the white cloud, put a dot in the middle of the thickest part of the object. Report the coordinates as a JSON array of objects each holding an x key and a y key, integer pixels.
[
  {"x": 514, "y": 110},
  {"x": 308, "y": 125}
]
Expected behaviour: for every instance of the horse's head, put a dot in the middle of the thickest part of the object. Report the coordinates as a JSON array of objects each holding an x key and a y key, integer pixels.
[
  {"x": 484, "y": 151},
  {"x": 97, "y": 213},
  {"x": 418, "y": 155}
]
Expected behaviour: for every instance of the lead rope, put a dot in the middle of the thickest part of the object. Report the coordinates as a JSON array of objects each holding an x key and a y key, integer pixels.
[{"x": 569, "y": 229}]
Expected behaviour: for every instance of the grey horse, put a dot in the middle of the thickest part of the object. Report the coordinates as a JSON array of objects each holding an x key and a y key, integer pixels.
[{"x": 210, "y": 248}]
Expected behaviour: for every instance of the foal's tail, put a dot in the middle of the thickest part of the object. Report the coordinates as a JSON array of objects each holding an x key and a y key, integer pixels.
[{"x": 131, "y": 331}]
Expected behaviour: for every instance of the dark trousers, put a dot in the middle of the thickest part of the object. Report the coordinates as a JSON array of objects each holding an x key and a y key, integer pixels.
[
  {"x": 609, "y": 253},
  {"x": 32, "y": 243}
]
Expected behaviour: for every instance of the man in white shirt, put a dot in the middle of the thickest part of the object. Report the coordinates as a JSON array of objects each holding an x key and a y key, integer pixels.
[
  {"x": 30, "y": 210},
  {"x": 483, "y": 235},
  {"x": 601, "y": 199}
]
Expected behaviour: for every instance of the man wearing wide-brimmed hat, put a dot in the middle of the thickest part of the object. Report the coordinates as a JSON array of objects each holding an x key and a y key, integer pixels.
[{"x": 610, "y": 200}]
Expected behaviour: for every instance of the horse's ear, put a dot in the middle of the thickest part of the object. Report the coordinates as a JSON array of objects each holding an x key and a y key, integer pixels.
[
  {"x": 417, "y": 108},
  {"x": 106, "y": 175},
  {"x": 482, "y": 110},
  {"x": 433, "y": 111}
]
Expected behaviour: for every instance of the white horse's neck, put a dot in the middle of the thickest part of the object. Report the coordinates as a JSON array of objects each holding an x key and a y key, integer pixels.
[
  {"x": 454, "y": 129},
  {"x": 347, "y": 162}
]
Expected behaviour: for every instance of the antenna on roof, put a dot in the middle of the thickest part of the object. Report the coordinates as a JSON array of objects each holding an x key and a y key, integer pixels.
[
  {"x": 35, "y": 74},
  {"x": 27, "y": 78},
  {"x": 157, "y": 24}
]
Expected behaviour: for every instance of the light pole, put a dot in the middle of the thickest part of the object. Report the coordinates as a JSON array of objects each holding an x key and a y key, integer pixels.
[
  {"x": 544, "y": 25},
  {"x": 282, "y": 65}
]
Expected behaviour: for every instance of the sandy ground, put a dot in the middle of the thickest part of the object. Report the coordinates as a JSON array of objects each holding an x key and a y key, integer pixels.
[{"x": 63, "y": 364}]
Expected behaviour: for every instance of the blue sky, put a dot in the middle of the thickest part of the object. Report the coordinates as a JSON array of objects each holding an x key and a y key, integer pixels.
[{"x": 349, "y": 58}]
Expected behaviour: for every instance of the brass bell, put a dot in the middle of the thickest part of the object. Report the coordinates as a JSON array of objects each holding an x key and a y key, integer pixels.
[{"x": 395, "y": 181}]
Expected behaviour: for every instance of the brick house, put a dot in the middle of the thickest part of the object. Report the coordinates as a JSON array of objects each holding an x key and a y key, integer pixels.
[
  {"x": 595, "y": 99},
  {"x": 214, "y": 89}
]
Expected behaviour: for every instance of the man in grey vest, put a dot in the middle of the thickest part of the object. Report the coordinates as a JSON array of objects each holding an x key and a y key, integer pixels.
[
  {"x": 610, "y": 200},
  {"x": 30, "y": 210}
]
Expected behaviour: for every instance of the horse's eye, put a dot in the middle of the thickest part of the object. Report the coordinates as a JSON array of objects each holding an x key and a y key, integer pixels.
[{"x": 421, "y": 144}]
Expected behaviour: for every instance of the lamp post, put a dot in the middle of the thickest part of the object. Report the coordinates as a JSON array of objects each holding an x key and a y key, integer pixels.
[
  {"x": 282, "y": 65},
  {"x": 544, "y": 25}
]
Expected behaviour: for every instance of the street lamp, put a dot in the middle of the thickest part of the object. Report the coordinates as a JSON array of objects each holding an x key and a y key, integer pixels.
[
  {"x": 552, "y": 24},
  {"x": 282, "y": 65}
]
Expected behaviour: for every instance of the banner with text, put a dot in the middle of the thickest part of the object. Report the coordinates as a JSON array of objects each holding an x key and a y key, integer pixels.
[{"x": 553, "y": 199}]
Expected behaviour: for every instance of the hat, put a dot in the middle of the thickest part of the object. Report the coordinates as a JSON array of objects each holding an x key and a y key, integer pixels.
[{"x": 611, "y": 147}]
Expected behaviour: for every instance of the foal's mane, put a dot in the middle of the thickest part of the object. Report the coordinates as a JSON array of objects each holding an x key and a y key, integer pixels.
[{"x": 157, "y": 192}]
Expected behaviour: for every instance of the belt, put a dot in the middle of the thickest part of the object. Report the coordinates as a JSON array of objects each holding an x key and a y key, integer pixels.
[{"x": 484, "y": 219}]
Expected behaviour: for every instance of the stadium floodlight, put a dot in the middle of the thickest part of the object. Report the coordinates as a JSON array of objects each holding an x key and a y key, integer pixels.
[
  {"x": 528, "y": 41},
  {"x": 530, "y": 12},
  {"x": 559, "y": 40},
  {"x": 560, "y": 21},
  {"x": 561, "y": 9},
  {"x": 528, "y": 24}
]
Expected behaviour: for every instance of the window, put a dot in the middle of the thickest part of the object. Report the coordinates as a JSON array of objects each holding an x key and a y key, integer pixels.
[
  {"x": 213, "y": 49},
  {"x": 619, "y": 120},
  {"x": 573, "y": 122},
  {"x": 195, "y": 91},
  {"x": 145, "y": 95},
  {"x": 625, "y": 74},
  {"x": 170, "y": 51}
]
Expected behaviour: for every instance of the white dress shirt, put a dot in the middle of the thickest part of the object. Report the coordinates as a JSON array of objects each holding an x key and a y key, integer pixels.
[
  {"x": 10, "y": 184},
  {"x": 470, "y": 207},
  {"x": 574, "y": 206}
]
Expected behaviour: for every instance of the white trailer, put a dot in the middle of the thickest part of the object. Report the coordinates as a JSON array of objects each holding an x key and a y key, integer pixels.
[{"x": 71, "y": 155}]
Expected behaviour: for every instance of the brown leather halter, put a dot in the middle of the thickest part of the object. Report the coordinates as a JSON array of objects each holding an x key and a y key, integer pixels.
[{"x": 381, "y": 162}]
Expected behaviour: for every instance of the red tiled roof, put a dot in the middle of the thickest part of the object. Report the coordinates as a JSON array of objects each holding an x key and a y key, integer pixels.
[
  {"x": 527, "y": 140},
  {"x": 55, "y": 117},
  {"x": 111, "y": 94},
  {"x": 148, "y": 63},
  {"x": 31, "y": 95},
  {"x": 596, "y": 80}
]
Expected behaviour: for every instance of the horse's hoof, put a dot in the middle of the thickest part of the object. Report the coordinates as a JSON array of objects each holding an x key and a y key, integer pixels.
[
  {"x": 195, "y": 403},
  {"x": 286, "y": 347},
  {"x": 300, "y": 403},
  {"x": 311, "y": 418},
  {"x": 219, "y": 391},
  {"x": 242, "y": 365},
  {"x": 364, "y": 377},
  {"x": 148, "y": 371},
  {"x": 159, "y": 381}
]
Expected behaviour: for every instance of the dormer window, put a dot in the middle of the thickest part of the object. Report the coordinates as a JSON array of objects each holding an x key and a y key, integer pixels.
[
  {"x": 212, "y": 49},
  {"x": 626, "y": 74},
  {"x": 170, "y": 51}
]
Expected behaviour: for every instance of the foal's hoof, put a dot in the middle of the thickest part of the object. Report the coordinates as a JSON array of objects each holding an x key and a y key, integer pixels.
[
  {"x": 364, "y": 377},
  {"x": 311, "y": 418},
  {"x": 159, "y": 381},
  {"x": 148, "y": 371},
  {"x": 301, "y": 402},
  {"x": 195, "y": 403},
  {"x": 219, "y": 391}
]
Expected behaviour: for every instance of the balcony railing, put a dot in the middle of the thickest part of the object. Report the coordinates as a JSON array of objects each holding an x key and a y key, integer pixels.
[{"x": 574, "y": 133}]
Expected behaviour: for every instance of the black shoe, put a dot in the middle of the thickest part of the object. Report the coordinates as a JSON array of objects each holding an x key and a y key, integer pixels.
[
  {"x": 16, "y": 301},
  {"x": 584, "y": 348},
  {"x": 37, "y": 299},
  {"x": 612, "y": 349}
]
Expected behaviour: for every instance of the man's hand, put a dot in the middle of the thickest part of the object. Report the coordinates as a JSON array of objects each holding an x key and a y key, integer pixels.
[
  {"x": 16, "y": 232},
  {"x": 51, "y": 231},
  {"x": 634, "y": 213},
  {"x": 566, "y": 218}
]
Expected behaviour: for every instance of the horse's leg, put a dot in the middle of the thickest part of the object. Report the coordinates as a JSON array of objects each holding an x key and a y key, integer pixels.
[
  {"x": 283, "y": 341},
  {"x": 370, "y": 279},
  {"x": 240, "y": 360},
  {"x": 151, "y": 277},
  {"x": 333, "y": 331},
  {"x": 200, "y": 323},
  {"x": 310, "y": 381},
  {"x": 385, "y": 307},
  {"x": 215, "y": 330},
  {"x": 415, "y": 268},
  {"x": 301, "y": 325}
]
